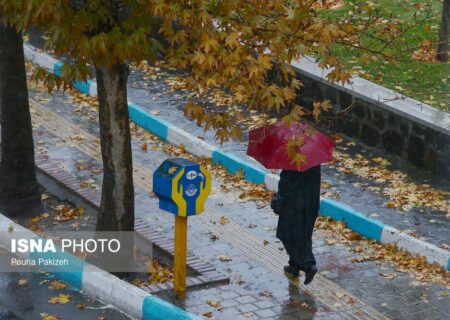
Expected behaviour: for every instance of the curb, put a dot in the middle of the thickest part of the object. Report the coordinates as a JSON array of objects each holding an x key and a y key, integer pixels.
[
  {"x": 102, "y": 285},
  {"x": 356, "y": 221}
]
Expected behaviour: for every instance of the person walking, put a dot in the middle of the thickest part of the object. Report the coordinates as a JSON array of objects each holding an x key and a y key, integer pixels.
[
  {"x": 298, "y": 198},
  {"x": 299, "y": 192}
]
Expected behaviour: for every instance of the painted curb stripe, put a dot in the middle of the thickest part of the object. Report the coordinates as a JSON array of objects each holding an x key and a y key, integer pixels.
[
  {"x": 233, "y": 164},
  {"x": 155, "y": 308},
  {"x": 57, "y": 68},
  {"x": 147, "y": 121},
  {"x": 367, "y": 227},
  {"x": 83, "y": 86},
  {"x": 356, "y": 221}
]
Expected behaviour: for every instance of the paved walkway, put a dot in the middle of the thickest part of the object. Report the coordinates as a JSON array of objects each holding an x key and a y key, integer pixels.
[{"x": 242, "y": 236}]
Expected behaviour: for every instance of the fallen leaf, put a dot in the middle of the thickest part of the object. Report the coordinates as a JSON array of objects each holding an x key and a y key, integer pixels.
[
  {"x": 445, "y": 246},
  {"x": 10, "y": 229},
  {"x": 77, "y": 137},
  {"x": 224, "y": 258},
  {"x": 325, "y": 185},
  {"x": 223, "y": 220},
  {"x": 81, "y": 306},
  {"x": 57, "y": 285},
  {"x": 215, "y": 304},
  {"x": 45, "y": 196},
  {"x": 60, "y": 299},
  {"x": 36, "y": 219},
  {"x": 46, "y": 316},
  {"x": 265, "y": 293},
  {"x": 22, "y": 282},
  {"x": 207, "y": 314}
]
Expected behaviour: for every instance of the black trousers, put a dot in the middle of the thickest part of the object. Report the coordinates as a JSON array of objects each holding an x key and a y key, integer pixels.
[{"x": 295, "y": 230}]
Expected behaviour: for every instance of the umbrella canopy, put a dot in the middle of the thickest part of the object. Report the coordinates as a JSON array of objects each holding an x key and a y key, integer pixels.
[{"x": 268, "y": 145}]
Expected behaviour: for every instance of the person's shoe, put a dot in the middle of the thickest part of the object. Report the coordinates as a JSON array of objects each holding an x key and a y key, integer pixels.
[
  {"x": 292, "y": 271},
  {"x": 309, "y": 274}
]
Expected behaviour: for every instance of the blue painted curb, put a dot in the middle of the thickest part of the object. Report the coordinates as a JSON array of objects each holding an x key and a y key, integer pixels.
[
  {"x": 155, "y": 125},
  {"x": 367, "y": 227},
  {"x": 233, "y": 164}
]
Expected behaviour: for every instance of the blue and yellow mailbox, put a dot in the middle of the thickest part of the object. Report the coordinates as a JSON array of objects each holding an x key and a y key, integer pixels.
[{"x": 182, "y": 187}]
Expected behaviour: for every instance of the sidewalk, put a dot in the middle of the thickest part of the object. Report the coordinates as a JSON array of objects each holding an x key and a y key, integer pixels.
[{"x": 239, "y": 239}]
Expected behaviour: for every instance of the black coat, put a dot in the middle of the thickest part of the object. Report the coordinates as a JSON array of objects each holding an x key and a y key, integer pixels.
[{"x": 300, "y": 192}]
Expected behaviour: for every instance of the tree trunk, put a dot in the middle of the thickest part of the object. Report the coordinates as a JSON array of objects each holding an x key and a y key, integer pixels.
[
  {"x": 444, "y": 33},
  {"x": 117, "y": 203},
  {"x": 19, "y": 190}
]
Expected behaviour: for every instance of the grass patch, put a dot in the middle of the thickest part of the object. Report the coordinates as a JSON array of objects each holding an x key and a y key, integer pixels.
[{"x": 413, "y": 71}]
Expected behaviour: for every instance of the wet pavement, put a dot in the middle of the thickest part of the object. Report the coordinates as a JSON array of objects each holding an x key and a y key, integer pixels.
[
  {"x": 26, "y": 295},
  {"x": 30, "y": 301},
  {"x": 243, "y": 245}
]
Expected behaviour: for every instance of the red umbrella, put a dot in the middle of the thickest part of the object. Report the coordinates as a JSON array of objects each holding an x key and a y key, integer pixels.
[{"x": 268, "y": 145}]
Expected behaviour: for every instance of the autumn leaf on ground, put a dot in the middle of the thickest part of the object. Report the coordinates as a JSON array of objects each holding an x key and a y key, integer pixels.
[
  {"x": 77, "y": 137},
  {"x": 223, "y": 220},
  {"x": 215, "y": 304},
  {"x": 46, "y": 316},
  {"x": 381, "y": 161},
  {"x": 60, "y": 299},
  {"x": 10, "y": 229},
  {"x": 22, "y": 282},
  {"x": 66, "y": 213},
  {"x": 88, "y": 183},
  {"x": 388, "y": 276},
  {"x": 224, "y": 258},
  {"x": 81, "y": 306},
  {"x": 36, "y": 219},
  {"x": 45, "y": 197},
  {"x": 207, "y": 314},
  {"x": 325, "y": 185},
  {"x": 57, "y": 285},
  {"x": 265, "y": 293}
]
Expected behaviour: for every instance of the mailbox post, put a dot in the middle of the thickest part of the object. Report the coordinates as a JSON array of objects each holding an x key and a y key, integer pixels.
[{"x": 182, "y": 187}]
